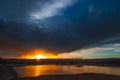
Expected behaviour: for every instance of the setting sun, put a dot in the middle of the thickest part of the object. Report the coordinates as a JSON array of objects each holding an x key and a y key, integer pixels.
[
  {"x": 39, "y": 54},
  {"x": 39, "y": 57}
]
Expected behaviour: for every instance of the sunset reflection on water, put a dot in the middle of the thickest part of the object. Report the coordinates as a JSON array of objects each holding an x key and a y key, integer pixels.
[{"x": 37, "y": 70}]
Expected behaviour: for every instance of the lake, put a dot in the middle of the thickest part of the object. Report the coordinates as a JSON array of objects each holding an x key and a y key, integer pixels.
[{"x": 37, "y": 70}]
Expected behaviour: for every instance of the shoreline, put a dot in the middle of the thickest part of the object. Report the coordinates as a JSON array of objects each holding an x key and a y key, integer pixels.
[{"x": 8, "y": 73}]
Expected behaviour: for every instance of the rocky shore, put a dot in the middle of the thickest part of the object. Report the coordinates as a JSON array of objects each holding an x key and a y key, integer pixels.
[{"x": 7, "y": 72}]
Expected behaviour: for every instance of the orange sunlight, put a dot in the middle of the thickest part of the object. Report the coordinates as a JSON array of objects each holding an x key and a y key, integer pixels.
[
  {"x": 39, "y": 54},
  {"x": 38, "y": 57}
]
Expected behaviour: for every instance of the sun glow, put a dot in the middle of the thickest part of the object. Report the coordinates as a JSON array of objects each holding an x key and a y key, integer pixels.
[
  {"x": 39, "y": 54},
  {"x": 38, "y": 57}
]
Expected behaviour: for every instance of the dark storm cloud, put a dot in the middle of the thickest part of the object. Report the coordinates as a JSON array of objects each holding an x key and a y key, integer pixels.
[
  {"x": 18, "y": 10},
  {"x": 25, "y": 37},
  {"x": 86, "y": 23}
]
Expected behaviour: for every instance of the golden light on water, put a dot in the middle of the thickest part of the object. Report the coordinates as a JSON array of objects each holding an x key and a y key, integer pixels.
[{"x": 39, "y": 54}]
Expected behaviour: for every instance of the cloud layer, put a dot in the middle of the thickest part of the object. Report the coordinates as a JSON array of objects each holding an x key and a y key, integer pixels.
[
  {"x": 110, "y": 48},
  {"x": 82, "y": 24}
]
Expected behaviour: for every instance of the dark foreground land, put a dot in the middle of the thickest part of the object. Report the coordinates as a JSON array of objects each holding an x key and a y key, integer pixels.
[{"x": 87, "y": 76}]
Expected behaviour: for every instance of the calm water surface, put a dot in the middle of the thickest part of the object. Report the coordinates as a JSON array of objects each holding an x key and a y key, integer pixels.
[{"x": 33, "y": 71}]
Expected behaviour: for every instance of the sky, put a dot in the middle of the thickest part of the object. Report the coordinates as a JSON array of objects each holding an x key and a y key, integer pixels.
[{"x": 67, "y": 28}]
